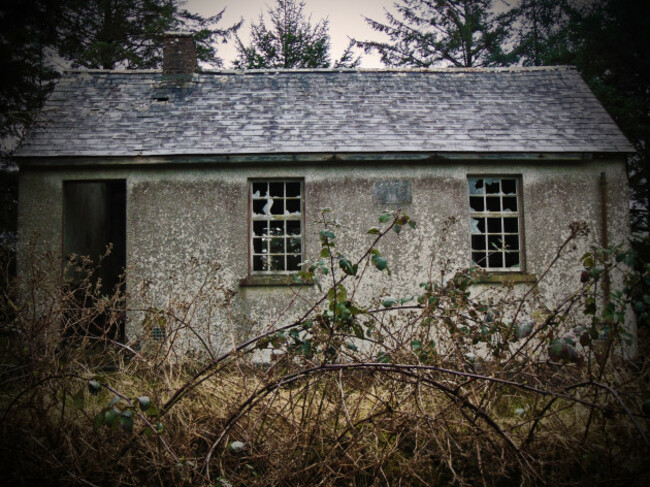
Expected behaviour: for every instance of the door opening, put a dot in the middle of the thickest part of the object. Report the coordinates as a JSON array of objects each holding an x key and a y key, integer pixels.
[{"x": 94, "y": 246}]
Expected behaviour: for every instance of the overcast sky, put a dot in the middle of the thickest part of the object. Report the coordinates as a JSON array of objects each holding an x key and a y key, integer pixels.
[{"x": 345, "y": 20}]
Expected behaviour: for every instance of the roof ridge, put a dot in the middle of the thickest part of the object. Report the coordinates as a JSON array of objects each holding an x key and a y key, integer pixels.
[{"x": 522, "y": 69}]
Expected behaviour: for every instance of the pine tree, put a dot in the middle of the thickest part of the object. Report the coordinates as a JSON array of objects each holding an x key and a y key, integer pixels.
[
  {"x": 458, "y": 33},
  {"x": 291, "y": 41}
]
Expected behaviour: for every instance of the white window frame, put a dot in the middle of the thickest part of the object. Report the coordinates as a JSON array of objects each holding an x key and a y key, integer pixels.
[
  {"x": 493, "y": 237},
  {"x": 288, "y": 224}
]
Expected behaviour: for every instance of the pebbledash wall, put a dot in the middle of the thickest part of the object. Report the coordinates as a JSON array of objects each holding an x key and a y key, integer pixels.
[
  {"x": 176, "y": 212},
  {"x": 188, "y": 159}
]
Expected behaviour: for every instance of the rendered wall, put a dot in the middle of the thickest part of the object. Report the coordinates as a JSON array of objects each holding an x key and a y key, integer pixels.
[{"x": 183, "y": 220}]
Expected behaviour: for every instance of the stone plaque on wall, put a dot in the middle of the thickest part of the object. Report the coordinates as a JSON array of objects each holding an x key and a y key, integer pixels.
[{"x": 392, "y": 192}]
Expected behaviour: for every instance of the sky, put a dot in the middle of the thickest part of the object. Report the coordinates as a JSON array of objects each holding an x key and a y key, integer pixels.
[{"x": 345, "y": 20}]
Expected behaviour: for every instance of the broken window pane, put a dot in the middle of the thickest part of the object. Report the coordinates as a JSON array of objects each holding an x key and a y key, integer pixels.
[
  {"x": 293, "y": 207},
  {"x": 277, "y": 245},
  {"x": 494, "y": 225},
  {"x": 478, "y": 242},
  {"x": 493, "y": 204},
  {"x": 495, "y": 241},
  {"x": 293, "y": 262},
  {"x": 475, "y": 186},
  {"x": 492, "y": 186},
  {"x": 509, "y": 186},
  {"x": 293, "y": 245},
  {"x": 512, "y": 259},
  {"x": 510, "y": 225},
  {"x": 479, "y": 258},
  {"x": 276, "y": 208},
  {"x": 260, "y": 228},
  {"x": 476, "y": 203},
  {"x": 260, "y": 190},
  {"x": 276, "y": 190},
  {"x": 478, "y": 225},
  {"x": 293, "y": 227},
  {"x": 293, "y": 190},
  {"x": 509, "y": 203},
  {"x": 277, "y": 263},
  {"x": 495, "y": 260},
  {"x": 259, "y": 246},
  {"x": 512, "y": 242}
]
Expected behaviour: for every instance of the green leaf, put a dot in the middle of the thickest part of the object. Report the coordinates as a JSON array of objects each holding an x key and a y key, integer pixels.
[
  {"x": 145, "y": 402},
  {"x": 328, "y": 234},
  {"x": 388, "y": 303},
  {"x": 412, "y": 224},
  {"x": 384, "y": 358},
  {"x": 397, "y": 228},
  {"x": 385, "y": 217},
  {"x": 126, "y": 421},
  {"x": 345, "y": 265},
  {"x": 380, "y": 262},
  {"x": 325, "y": 252},
  {"x": 110, "y": 416},
  {"x": 374, "y": 231},
  {"x": 94, "y": 387},
  {"x": 416, "y": 345}
]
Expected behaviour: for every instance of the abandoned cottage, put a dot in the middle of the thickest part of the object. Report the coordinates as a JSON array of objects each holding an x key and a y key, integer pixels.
[{"x": 172, "y": 166}]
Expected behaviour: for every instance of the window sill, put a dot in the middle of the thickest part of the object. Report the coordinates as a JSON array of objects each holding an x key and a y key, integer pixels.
[
  {"x": 269, "y": 281},
  {"x": 507, "y": 277}
]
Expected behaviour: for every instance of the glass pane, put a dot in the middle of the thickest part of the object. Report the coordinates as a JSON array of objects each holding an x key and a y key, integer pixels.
[
  {"x": 293, "y": 206},
  {"x": 293, "y": 189},
  {"x": 259, "y": 207},
  {"x": 293, "y": 245},
  {"x": 510, "y": 225},
  {"x": 260, "y": 228},
  {"x": 277, "y": 190},
  {"x": 512, "y": 259},
  {"x": 478, "y": 242},
  {"x": 293, "y": 227},
  {"x": 259, "y": 190},
  {"x": 495, "y": 259},
  {"x": 259, "y": 246},
  {"x": 509, "y": 186},
  {"x": 475, "y": 186},
  {"x": 293, "y": 262},
  {"x": 277, "y": 207},
  {"x": 478, "y": 225},
  {"x": 277, "y": 262},
  {"x": 492, "y": 186},
  {"x": 493, "y": 204},
  {"x": 277, "y": 245},
  {"x": 509, "y": 203},
  {"x": 478, "y": 258},
  {"x": 494, "y": 225},
  {"x": 476, "y": 203},
  {"x": 259, "y": 262},
  {"x": 512, "y": 242}
]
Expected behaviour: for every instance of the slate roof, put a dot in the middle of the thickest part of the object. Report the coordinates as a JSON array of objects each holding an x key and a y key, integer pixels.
[{"x": 121, "y": 113}]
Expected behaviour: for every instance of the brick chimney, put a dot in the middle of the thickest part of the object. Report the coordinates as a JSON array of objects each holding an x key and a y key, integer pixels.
[{"x": 179, "y": 53}]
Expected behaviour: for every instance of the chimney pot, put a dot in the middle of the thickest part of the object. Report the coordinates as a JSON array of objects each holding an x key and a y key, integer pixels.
[{"x": 179, "y": 53}]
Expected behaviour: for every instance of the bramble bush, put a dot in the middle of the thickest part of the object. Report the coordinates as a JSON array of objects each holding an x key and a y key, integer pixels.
[{"x": 446, "y": 386}]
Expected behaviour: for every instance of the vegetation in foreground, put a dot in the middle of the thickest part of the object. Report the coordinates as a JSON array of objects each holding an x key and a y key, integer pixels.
[{"x": 444, "y": 387}]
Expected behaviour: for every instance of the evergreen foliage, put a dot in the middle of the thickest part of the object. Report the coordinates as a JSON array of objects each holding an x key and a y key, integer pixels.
[
  {"x": 291, "y": 41},
  {"x": 457, "y": 33}
]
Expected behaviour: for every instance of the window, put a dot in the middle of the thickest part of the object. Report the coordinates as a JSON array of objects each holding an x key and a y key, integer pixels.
[
  {"x": 276, "y": 226},
  {"x": 495, "y": 223}
]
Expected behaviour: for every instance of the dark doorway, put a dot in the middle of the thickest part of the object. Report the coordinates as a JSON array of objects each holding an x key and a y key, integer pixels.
[{"x": 94, "y": 220}]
